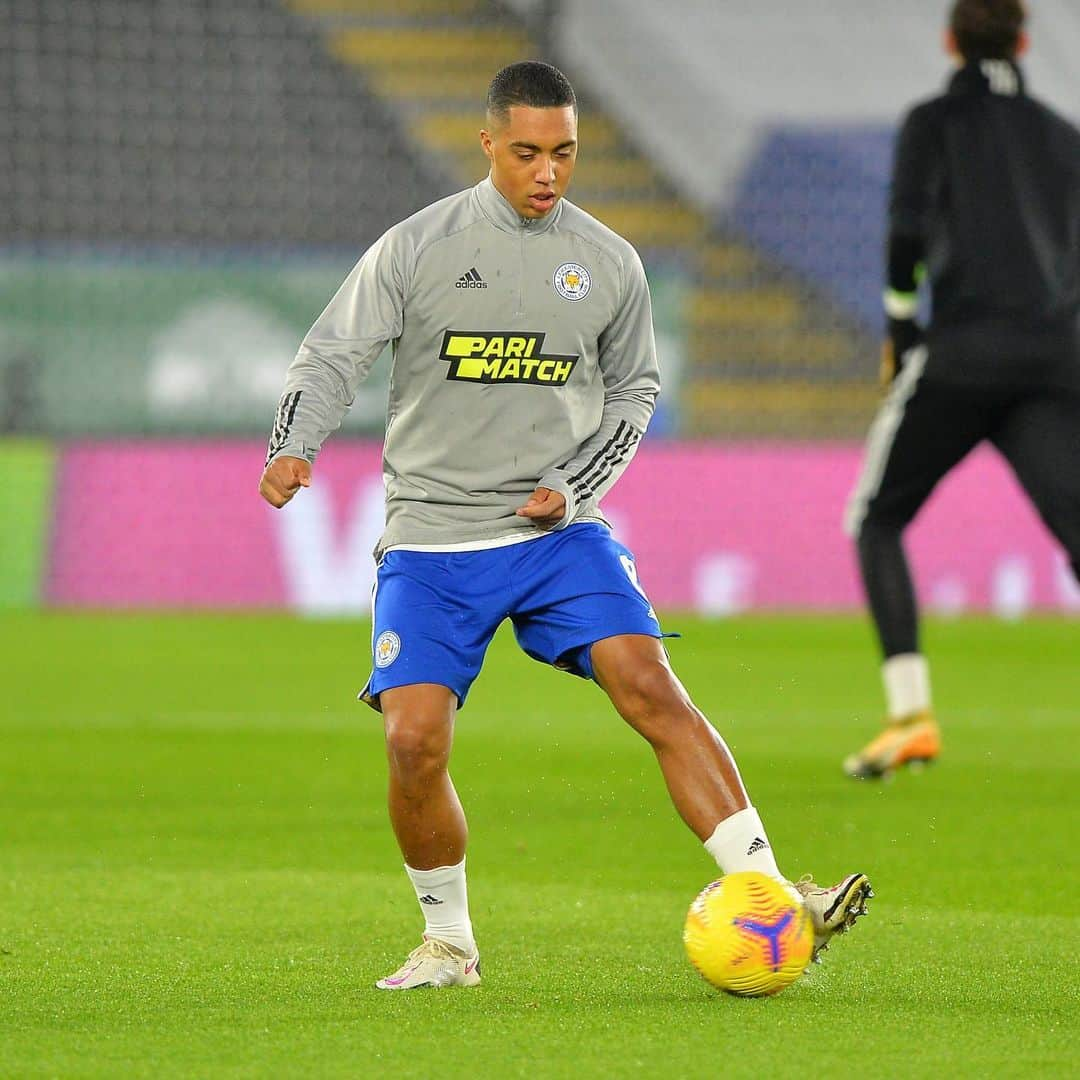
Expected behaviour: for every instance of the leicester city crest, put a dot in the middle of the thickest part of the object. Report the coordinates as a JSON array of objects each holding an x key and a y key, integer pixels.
[
  {"x": 572, "y": 281},
  {"x": 387, "y": 647}
]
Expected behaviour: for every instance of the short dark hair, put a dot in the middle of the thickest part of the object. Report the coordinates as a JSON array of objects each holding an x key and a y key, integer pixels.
[
  {"x": 987, "y": 29},
  {"x": 529, "y": 82}
]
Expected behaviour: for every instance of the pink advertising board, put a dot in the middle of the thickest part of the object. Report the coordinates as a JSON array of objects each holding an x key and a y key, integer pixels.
[{"x": 715, "y": 528}]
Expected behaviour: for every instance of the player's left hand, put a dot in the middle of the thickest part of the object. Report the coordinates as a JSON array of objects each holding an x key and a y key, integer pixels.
[
  {"x": 903, "y": 336},
  {"x": 888, "y": 368},
  {"x": 283, "y": 478},
  {"x": 545, "y": 507}
]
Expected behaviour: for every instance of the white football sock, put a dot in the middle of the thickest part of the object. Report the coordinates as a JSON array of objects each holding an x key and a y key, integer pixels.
[
  {"x": 445, "y": 904},
  {"x": 907, "y": 684},
  {"x": 740, "y": 842}
]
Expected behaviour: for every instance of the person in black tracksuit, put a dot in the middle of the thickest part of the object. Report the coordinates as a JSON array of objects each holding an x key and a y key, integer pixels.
[{"x": 985, "y": 201}]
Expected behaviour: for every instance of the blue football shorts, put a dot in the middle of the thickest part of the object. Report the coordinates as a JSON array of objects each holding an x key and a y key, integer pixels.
[{"x": 436, "y": 612}]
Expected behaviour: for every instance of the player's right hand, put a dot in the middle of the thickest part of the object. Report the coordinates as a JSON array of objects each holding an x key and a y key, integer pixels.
[{"x": 283, "y": 478}]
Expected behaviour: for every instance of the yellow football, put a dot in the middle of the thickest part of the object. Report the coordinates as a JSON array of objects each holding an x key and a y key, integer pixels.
[{"x": 748, "y": 934}]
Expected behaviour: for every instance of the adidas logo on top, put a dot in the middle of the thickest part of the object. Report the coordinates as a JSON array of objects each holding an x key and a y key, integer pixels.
[
  {"x": 471, "y": 280},
  {"x": 757, "y": 845}
]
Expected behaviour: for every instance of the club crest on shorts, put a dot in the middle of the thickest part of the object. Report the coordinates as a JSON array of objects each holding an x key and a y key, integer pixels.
[
  {"x": 387, "y": 647},
  {"x": 572, "y": 281}
]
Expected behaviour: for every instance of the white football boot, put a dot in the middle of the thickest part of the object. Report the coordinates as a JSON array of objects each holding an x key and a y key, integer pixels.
[
  {"x": 834, "y": 911},
  {"x": 434, "y": 963}
]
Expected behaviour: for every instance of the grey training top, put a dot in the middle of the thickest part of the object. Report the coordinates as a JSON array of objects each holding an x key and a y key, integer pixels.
[{"x": 523, "y": 356}]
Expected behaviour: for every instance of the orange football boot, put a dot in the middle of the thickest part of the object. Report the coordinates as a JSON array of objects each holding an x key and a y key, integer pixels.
[{"x": 911, "y": 740}]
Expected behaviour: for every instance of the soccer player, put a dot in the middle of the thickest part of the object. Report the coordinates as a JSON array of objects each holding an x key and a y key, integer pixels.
[
  {"x": 524, "y": 375},
  {"x": 985, "y": 200}
]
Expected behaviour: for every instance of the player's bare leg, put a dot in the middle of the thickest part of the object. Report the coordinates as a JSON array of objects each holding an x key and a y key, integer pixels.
[
  {"x": 698, "y": 768},
  {"x": 703, "y": 779},
  {"x": 431, "y": 831},
  {"x": 425, "y": 811}
]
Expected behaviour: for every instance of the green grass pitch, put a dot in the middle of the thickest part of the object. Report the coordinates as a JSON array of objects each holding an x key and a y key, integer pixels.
[{"x": 198, "y": 878}]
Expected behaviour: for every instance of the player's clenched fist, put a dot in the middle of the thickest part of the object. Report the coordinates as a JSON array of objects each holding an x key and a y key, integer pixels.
[{"x": 283, "y": 478}]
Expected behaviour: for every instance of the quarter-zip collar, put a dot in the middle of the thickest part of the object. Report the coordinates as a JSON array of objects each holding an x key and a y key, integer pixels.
[
  {"x": 1002, "y": 77},
  {"x": 503, "y": 216}
]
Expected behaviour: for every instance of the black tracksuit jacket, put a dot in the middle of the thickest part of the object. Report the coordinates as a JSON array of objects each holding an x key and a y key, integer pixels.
[{"x": 986, "y": 194}]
